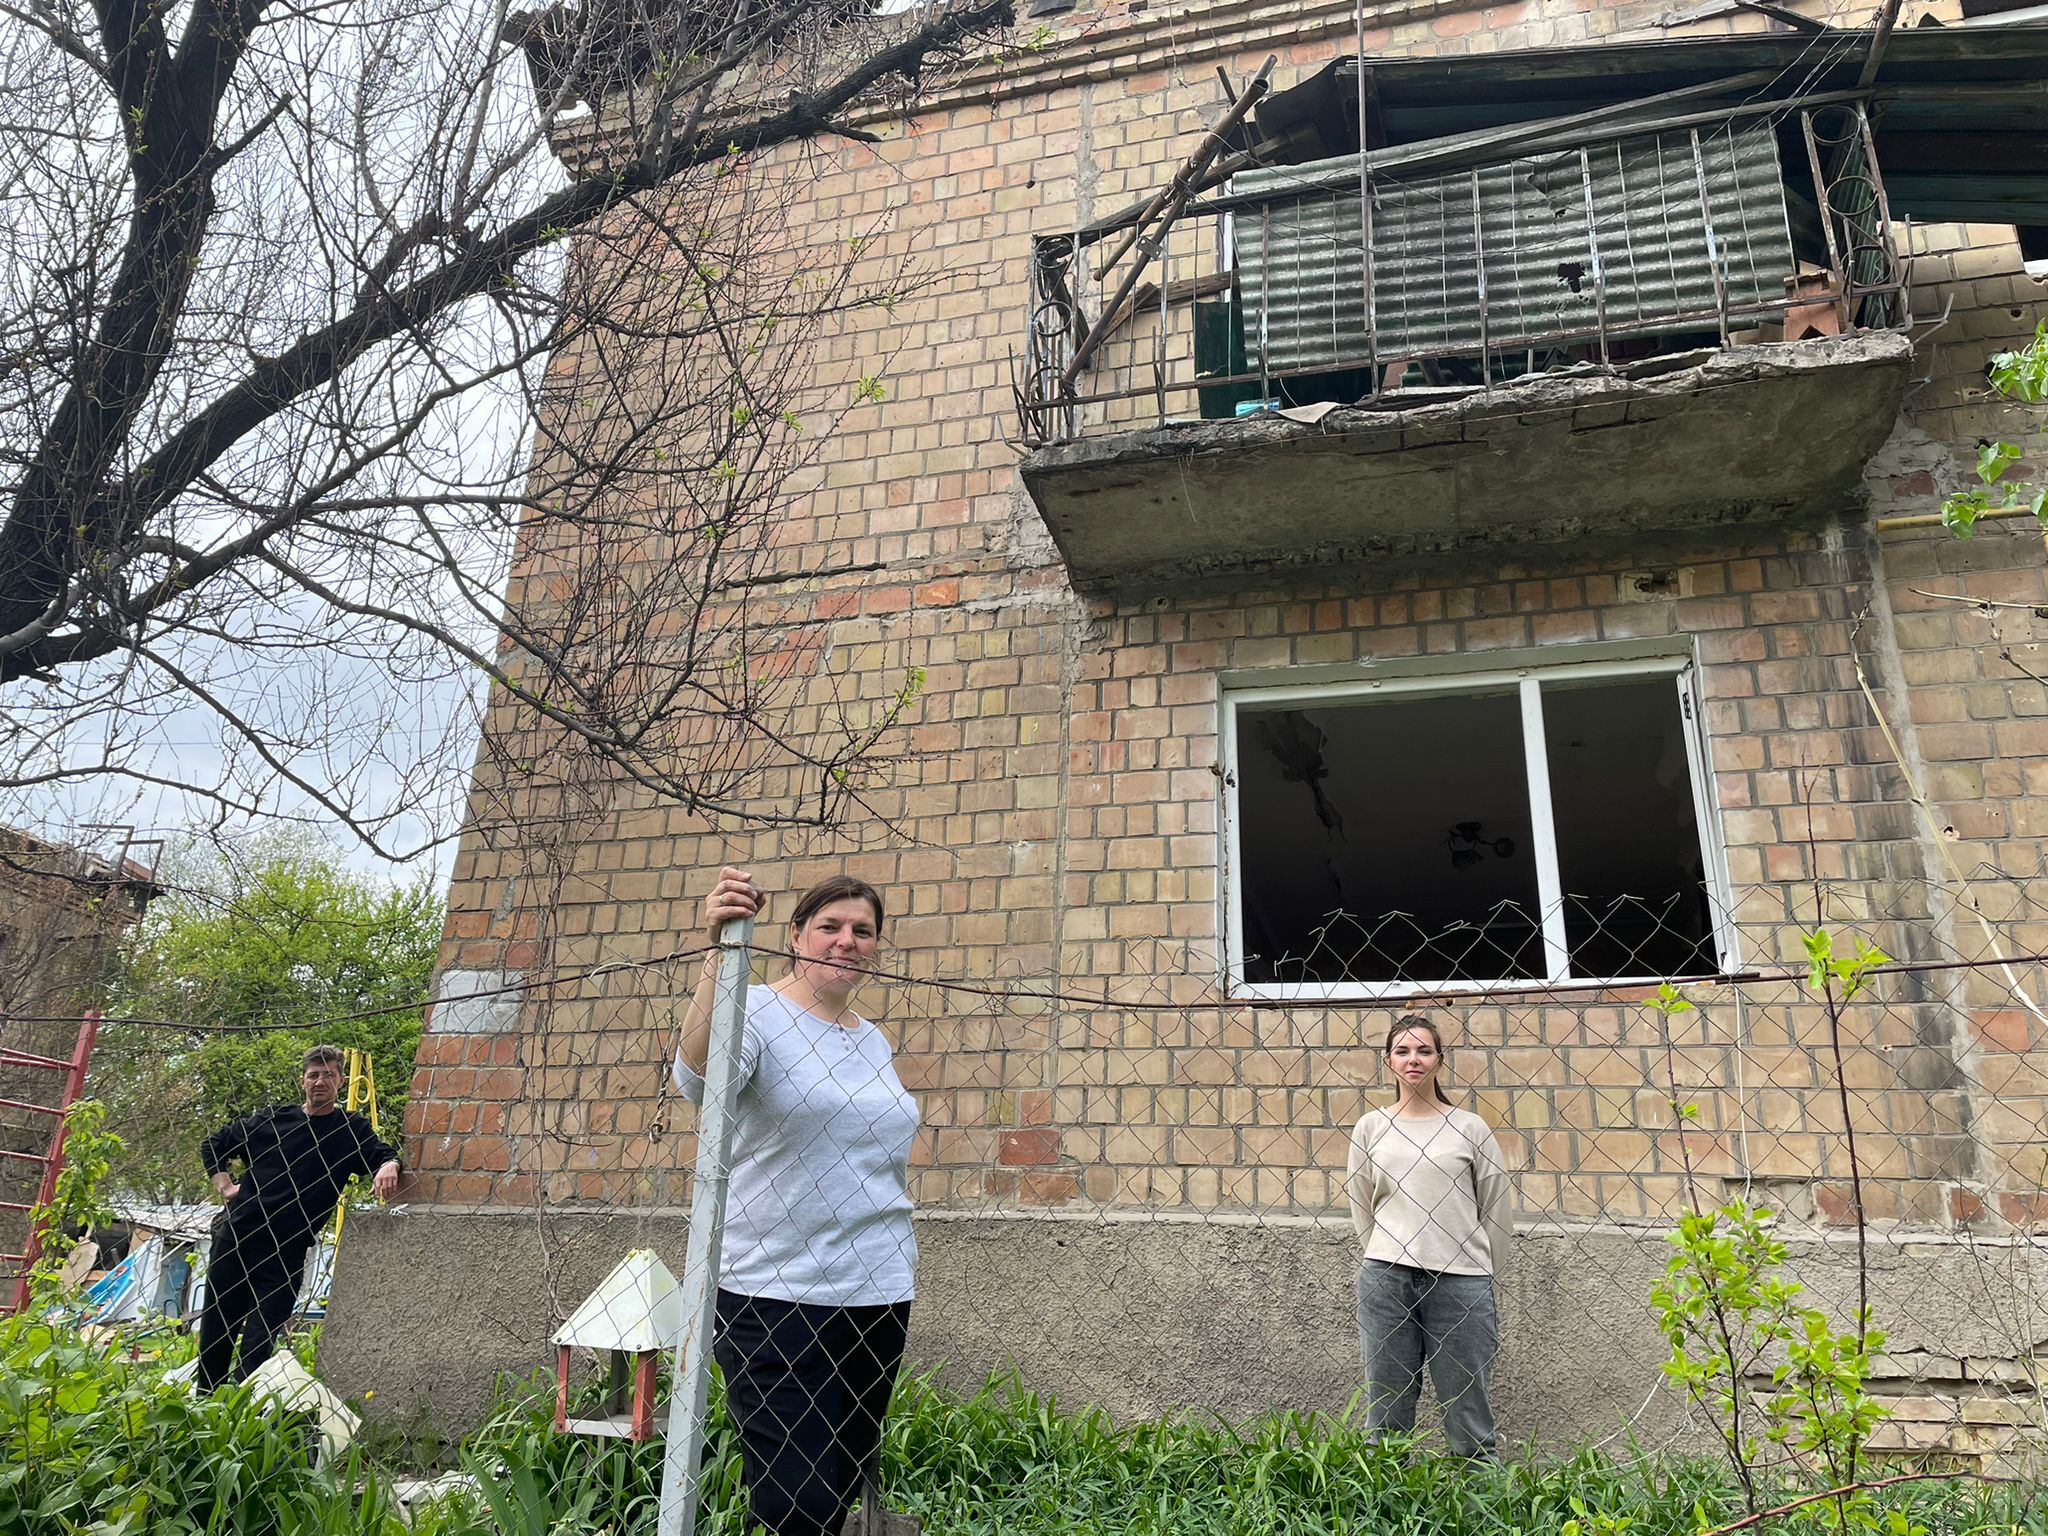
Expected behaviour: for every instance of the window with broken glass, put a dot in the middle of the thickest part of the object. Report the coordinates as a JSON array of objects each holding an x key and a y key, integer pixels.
[{"x": 1547, "y": 824}]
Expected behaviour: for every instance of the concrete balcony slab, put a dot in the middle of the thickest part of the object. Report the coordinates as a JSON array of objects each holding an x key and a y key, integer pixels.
[{"x": 1757, "y": 434}]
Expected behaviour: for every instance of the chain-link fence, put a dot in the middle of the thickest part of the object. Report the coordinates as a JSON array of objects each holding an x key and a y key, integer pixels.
[
  {"x": 1149, "y": 1196},
  {"x": 1340, "y": 1186}
]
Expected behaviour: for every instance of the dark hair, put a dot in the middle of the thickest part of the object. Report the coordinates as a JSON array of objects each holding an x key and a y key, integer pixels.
[
  {"x": 1421, "y": 1021},
  {"x": 323, "y": 1056},
  {"x": 836, "y": 888}
]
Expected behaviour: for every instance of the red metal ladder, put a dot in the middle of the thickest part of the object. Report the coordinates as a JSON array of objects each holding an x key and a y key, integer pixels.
[{"x": 52, "y": 1161}]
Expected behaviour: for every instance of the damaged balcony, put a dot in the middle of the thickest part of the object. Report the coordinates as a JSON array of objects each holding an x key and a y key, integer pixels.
[{"x": 1672, "y": 312}]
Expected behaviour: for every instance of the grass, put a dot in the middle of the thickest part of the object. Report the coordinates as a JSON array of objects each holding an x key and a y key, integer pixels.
[
  {"x": 92, "y": 1441},
  {"x": 1009, "y": 1461}
]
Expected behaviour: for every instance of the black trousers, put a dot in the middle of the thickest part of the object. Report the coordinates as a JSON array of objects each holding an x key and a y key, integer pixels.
[
  {"x": 807, "y": 1387},
  {"x": 251, "y": 1285}
]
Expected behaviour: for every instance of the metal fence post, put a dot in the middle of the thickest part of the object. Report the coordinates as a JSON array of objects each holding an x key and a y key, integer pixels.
[{"x": 689, "y": 1388}]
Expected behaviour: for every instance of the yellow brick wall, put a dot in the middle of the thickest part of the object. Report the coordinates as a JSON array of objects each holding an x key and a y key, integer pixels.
[{"x": 1045, "y": 823}]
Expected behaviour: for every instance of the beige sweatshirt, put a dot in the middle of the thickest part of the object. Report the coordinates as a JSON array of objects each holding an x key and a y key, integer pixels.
[{"x": 1430, "y": 1192}]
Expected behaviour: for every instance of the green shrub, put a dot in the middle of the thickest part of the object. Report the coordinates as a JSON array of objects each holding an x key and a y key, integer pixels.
[
  {"x": 94, "y": 1441},
  {"x": 98, "y": 1442}
]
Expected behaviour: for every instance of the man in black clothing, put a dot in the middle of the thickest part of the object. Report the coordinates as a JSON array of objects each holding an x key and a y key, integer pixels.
[{"x": 296, "y": 1159}]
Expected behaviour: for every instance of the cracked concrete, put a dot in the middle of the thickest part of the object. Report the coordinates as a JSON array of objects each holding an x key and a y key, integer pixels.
[{"x": 1763, "y": 434}]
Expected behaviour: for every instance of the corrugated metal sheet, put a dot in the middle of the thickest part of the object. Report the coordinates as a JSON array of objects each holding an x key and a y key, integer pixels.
[
  {"x": 1520, "y": 234},
  {"x": 1941, "y": 92}
]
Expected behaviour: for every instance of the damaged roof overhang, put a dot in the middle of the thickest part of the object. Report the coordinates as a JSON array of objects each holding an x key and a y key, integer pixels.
[{"x": 1960, "y": 113}]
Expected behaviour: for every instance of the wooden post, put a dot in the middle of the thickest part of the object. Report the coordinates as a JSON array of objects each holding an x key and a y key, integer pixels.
[{"x": 643, "y": 1393}]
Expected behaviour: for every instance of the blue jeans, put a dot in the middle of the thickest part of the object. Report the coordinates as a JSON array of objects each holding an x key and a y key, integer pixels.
[{"x": 1407, "y": 1317}]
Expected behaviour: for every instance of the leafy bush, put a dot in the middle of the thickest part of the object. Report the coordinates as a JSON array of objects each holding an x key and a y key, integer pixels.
[
  {"x": 2021, "y": 376},
  {"x": 94, "y": 1441},
  {"x": 77, "y": 1203},
  {"x": 1009, "y": 1461},
  {"x": 98, "y": 1442},
  {"x": 259, "y": 957}
]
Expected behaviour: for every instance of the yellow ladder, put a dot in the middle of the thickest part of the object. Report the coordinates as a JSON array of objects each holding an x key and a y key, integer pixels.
[{"x": 362, "y": 1094}]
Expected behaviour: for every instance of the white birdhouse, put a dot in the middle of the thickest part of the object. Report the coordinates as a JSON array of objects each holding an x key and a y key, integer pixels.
[{"x": 628, "y": 1321}]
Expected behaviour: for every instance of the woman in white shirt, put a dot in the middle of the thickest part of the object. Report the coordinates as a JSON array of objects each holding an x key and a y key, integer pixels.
[
  {"x": 815, "y": 1274},
  {"x": 1429, "y": 1196}
]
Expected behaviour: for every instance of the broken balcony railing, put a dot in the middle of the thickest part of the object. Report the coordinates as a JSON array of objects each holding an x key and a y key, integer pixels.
[{"x": 1347, "y": 279}]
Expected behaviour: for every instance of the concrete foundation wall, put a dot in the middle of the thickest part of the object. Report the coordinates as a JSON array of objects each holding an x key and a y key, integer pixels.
[{"x": 1142, "y": 1315}]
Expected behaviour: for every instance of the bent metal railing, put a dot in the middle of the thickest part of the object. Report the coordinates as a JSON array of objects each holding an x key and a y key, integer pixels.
[{"x": 1350, "y": 279}]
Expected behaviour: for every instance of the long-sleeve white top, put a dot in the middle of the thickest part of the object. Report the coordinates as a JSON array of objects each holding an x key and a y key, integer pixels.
[{"x": 1430, "y": 1191}]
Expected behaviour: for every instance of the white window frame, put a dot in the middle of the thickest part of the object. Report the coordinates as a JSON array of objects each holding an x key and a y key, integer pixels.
[{"x": 1526, "y": 681}]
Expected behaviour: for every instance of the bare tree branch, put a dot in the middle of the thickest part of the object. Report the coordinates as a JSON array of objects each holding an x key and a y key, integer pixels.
[{"x": 307, "y": 336}]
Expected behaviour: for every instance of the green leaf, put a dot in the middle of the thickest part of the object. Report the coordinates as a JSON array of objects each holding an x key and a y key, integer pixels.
[
  {"x": 1669, "y": 1000},
  {"x": 77, "y": 1394},
  {"x": 1959, "y": 513},
  {"x": 2022, "y": 375},
  {"x": 1820, "y": 949},
  {"x": 1994, "y": 459}
]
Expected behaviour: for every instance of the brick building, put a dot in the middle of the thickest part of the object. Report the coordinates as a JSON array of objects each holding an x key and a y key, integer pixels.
[
  {"x": 62, "y": 911},
  {"x": 1605, "y": 551}
]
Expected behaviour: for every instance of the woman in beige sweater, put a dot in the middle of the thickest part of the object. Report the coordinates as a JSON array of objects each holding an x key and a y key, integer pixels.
[{"x": 1429, "y": 1196}]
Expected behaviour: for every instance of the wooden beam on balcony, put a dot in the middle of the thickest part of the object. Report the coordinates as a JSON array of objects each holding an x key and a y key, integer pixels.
[
  {"x": 1166, "y": 209},
  {"x": 1179, "y": 291}
]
